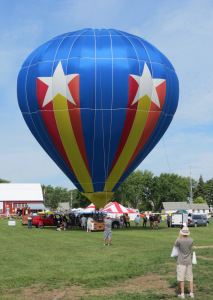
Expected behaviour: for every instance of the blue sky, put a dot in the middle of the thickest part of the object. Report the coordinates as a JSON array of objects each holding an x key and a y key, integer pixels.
[{"x": 182, "y": 30}]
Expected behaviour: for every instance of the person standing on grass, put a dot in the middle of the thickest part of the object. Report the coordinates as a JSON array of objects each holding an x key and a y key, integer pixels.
[
  {"x": 151, "y": 221},
  {"x": 168, "y": 221},
  {"x": 58, "y": 226},
  {"x": 83, "y": 222},
  {"x": 144, "y": 221},
  {"x": 73, "y": 221},
  {"x": 121, "y": 221},
  {"x": 184, "y": 262},
  {"x": 65, "y": 222},
  {"x": 137, "y": 220},
  {"x": 107, "y": 230},
  {"x": 155, "y": 222},
  {"x": 89, "y": 224},
  {"x": 30, "y": 222},
  {"x": 61, "y": 223},
  {"x": 127, "y": 218}
]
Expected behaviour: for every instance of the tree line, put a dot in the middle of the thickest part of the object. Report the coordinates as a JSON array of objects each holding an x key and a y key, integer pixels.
[{"x": 140, "y": 190}]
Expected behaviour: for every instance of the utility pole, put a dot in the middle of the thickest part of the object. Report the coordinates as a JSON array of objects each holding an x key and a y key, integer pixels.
[
  {"x": 71, "y": 199},
  {"x": 191, "y": 182}
]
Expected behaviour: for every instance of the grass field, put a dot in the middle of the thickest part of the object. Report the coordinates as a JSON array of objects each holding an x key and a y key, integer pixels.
[{"x": 74, "y": 264}]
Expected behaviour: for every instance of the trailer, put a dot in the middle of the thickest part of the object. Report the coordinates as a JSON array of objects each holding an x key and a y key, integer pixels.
[{"x": 179, "y": 219}]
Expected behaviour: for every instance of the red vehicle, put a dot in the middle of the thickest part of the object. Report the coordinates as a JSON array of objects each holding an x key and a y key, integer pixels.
[{"x": 47, "y": 219}]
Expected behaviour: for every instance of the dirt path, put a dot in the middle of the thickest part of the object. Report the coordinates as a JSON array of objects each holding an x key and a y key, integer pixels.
[
  {"x": 201, "y": 247},
  {"x": 204, "y": 258},
  {"x": 153, "y": 282}
]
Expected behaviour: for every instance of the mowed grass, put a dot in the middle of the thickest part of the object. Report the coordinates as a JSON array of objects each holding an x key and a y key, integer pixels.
[{"x": 75, "y": 257}]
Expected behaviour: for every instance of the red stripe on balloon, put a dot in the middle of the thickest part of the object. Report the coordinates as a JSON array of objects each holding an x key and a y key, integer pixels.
[
  {"x": 48, "y": 117},
  {"x": 153, "y": 117},
  {"x": 129, "y": 119},
  {"x": 41, "y": 93},
  {"x": 75, "y": 118}
]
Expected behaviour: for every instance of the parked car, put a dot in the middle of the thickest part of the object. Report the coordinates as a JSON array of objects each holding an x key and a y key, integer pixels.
[
  {"x": 198, "y": 220},
  {"x": 47, "y": 219}
]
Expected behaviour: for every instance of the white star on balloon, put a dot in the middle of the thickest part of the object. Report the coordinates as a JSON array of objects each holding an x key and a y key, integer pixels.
[
  {"x": 58, "y": 84},
  {"x": 147, "y": 86}
]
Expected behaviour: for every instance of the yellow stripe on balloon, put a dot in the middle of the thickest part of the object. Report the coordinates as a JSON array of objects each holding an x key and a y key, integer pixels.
[
  {"x": 99, "y": 199},
  {"x": 69, "y": 142},
  {"x": 131, "y": 143}
]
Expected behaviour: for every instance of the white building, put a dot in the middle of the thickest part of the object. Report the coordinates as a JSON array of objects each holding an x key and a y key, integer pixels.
[
  {"x": 15, "y": 196},
  {"x": 171, "y": 207}
]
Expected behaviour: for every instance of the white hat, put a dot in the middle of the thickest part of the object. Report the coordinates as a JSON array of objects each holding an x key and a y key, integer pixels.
[{"x": 185, "y": 231}]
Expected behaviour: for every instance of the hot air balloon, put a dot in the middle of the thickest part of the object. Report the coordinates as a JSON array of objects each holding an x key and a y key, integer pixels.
[{"x": 97, "y": 101}]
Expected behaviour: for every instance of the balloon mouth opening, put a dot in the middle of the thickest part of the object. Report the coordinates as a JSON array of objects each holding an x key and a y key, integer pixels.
[{"x": 99, "y": 199}]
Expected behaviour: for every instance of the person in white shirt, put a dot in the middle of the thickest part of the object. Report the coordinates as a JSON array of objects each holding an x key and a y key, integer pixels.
[
  {"x": 83, "y": 222},
  {"x": 30, "y": 221},
  {"x": 137, "y": 219},
  {"x": 89, "y": 224}
]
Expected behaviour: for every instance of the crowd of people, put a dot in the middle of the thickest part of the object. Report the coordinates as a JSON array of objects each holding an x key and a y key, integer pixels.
[
  {"x": 64, "y": 223},
  {"x": 70, "y": 222},
  {"x": 153, "y": 220},
  {"x": 86, "y": 223},
  {"x": 124, "y": 221}
]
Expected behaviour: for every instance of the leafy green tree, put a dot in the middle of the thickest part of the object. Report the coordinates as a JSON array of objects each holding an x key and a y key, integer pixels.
[
  {"x": 54, "y": 201},
  {"x": 135, "y": 190},
  {"x": 199, "y": 200},
  {"x": 169, "y": 188},
  {"x": 145, "y": 206},
  {"x": 79, "y": 200},
  {"x": 140, "y": 190},
  {"x": 209, "y": 191},
  {"x": 120, "y": 194},
  {"x": 63, "y": 195},
  {"x": 4, "y": 181},
  {"x": 199, "y": 190},
  {"x": 47, "y": 194}
]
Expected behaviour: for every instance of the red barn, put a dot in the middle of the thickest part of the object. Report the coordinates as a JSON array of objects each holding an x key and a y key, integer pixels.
[{"x": 15, "y": 196}]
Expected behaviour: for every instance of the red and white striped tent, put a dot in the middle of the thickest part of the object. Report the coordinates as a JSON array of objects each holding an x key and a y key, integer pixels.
[
  {"x": 90, "y": 208},
  {"x": 115, "y": 207}
]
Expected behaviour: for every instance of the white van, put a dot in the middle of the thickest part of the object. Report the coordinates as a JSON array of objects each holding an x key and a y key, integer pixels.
[{"x": 179, "y": 219}]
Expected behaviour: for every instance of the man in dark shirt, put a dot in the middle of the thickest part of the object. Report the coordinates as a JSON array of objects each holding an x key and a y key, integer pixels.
[
  {"x": 144, "y": 221},
  {"x": 184, "y": 262},
  {"x": 168, "y": 220},
  {"x": 58, "y": 226},
  {"x": 73, "y": 221}
]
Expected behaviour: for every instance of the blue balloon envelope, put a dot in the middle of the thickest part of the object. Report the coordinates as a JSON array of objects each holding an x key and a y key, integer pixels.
[{"x": 97, "y": 101}]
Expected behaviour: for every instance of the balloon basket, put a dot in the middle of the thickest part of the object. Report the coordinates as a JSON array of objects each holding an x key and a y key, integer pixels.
[{"x": 97, "y": 226}]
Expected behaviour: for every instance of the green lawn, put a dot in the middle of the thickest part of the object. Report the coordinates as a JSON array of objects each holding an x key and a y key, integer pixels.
[{"x": 75, "y": 257}]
